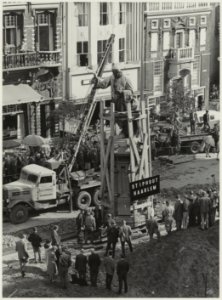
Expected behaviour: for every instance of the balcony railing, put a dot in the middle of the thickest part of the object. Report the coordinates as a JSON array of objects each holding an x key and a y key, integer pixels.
[
  {"x": 182, "y": 54},
  {"x": 164, "y": 6},
  {"x": 29, "y": 59}
]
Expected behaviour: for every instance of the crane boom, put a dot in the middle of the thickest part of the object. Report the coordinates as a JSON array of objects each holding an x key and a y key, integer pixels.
[{"x": 91, "y": 104}]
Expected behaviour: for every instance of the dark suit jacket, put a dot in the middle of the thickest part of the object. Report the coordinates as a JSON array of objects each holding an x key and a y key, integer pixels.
[
  {"x": 94, "y": 262},
  {"x": 122, "y": 267},
  {"x": 81, "y": 262}
]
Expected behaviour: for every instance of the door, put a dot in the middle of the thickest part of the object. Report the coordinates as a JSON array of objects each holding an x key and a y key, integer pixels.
[
  {"x": 47, "y": 188},
  {"x": 122, "y": 192}
]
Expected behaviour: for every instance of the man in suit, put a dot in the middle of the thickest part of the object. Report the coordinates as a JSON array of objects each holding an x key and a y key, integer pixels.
[
  {"x": 206, "y": 120},
  {"x": 178, "y": 212},
  {"x": 125, "y": 234},
  {"x": 35, "y": 240},
  {"x": 109, "y": 266},
  {"x": 22, "y": 253},
  {"x": 94, "y": 264},
  {"x": 80, "y": 266},
  {"x": 193, "y": 119},
  {"x": 64, "y": 264},
  {"x": 122, "y": 271},
  {"x": 112, "y": 237}
]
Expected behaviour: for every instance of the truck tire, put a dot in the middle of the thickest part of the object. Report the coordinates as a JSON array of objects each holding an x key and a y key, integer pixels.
[
  {"x": 194, "y": 147},
  {"x": 19, "y": 214},
  {"x": 96, "y": 199},
  {"x": 84, "y": 200}
]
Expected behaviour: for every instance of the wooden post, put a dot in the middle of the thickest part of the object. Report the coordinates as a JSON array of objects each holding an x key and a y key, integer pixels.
[{"x": 70, "y": 189}]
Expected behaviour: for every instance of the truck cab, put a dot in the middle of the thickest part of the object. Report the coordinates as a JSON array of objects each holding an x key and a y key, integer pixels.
[{"x": 35, "y": 189}]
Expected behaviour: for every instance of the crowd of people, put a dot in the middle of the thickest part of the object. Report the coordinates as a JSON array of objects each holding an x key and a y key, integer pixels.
[
  {"x": 58, "y": 258},
  {"x": 88, "y": 157}
]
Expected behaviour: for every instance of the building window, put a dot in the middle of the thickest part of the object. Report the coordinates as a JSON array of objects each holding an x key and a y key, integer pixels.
[
  {"x": 154, "y": 24},
  {"x": 104, "y": 13},
  {"x": 192, "y": 21},
  {"x": 121, "y": 50},
  {"x": 101, "y": 48},
  {"x": 45, "y": 31},
  {"x": 196, "y": 71},
  {"x": 154, "y": 41},
  {"x": 192, "y": 38},
  {"x": 122, "y": 13},
  {"x": 179, "y": 40},
  {"x": 202, "y": 36},
  {"x": 166, "y": 23},
  {"x": 166, "y": 40},
  {"x": 83, "y": 12},
  {"x": 203, "y": 20},
  {"x": 158, "y": 76},
  {"x": 82, "y": 54},
  {"x": 12, "y": 32}
]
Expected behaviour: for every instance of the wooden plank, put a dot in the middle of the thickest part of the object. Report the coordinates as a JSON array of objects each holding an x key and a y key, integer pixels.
[{"x": 141, "y": 167}]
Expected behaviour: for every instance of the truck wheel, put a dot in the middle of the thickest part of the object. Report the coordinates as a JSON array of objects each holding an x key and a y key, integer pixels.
[
  {"x": 96, "y": 199},
  {"x": 84, "y": 200},
  {"x": 194, "y": 147},
  {"x": 19, "y": 214}
]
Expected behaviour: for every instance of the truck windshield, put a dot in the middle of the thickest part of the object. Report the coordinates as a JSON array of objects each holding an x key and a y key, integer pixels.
[{"x": 29, "y": 177}]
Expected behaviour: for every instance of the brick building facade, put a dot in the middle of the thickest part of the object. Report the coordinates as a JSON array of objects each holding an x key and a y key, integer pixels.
[{"x": 177, "y": 46}]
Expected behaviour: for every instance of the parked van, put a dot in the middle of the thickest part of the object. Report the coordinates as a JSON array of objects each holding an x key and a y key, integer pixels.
[{"x": 214, "y": 117}]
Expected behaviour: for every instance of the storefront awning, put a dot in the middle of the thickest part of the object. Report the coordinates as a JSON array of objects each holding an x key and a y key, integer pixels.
[{"x": 19, "y": 94}]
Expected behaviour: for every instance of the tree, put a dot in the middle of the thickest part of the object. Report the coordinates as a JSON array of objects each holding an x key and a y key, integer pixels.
[{"x": 178, "y": 97}]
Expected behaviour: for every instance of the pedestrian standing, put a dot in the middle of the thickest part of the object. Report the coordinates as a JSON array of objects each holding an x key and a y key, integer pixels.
[
  {"x": 35, "y": 240},
  {"x": 125, "y": 234},
  {"x": 122, "y": 270},
  {"x": 186, "y": 206},
  {"x": 90, "y": 227},
  {"x": 192, "y": 218},
  {"x": 47, "y": 246},
  {"x": 167, "y": 215},
  {"x": 152, "y": 227},
  {"x": 80, "y": 221},
  {"x": 94, "y": 264},
  {"x": 193, "y": 119},
  {"x": 56, "y": 239},
  {"x": 51, "y": 264},
  {"x": 64, "y": 264},
  {"x": 178, "y": 212},
  {"x": 58, "y": 253},
  {"x": 80, "y": 266},
  {"x": 109, "y": 265},
  {"x": 206, "y": 120},
  {"x": 112, "y": 238},
  {"x": 212, "y": 208},
  {"x": 23, "y": 256},
  {"x": 204, "y": 210}
]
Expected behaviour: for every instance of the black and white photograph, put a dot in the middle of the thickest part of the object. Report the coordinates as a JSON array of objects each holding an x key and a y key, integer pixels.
[{"x": 110, "y": 149}]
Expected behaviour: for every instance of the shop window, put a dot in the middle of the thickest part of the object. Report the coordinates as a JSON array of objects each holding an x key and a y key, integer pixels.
[
  {"x": 45, "y": 31},
  {"x": 12, "y": 32},
  {"x": 83, "y": 13},
  {"x": 122, "y": 13},
  {"x": 82, "y": 54},
  {"x": 101, "y": 48},
  {"x": 104, "y": 13},
  {"x": 121, "y": 50}
]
